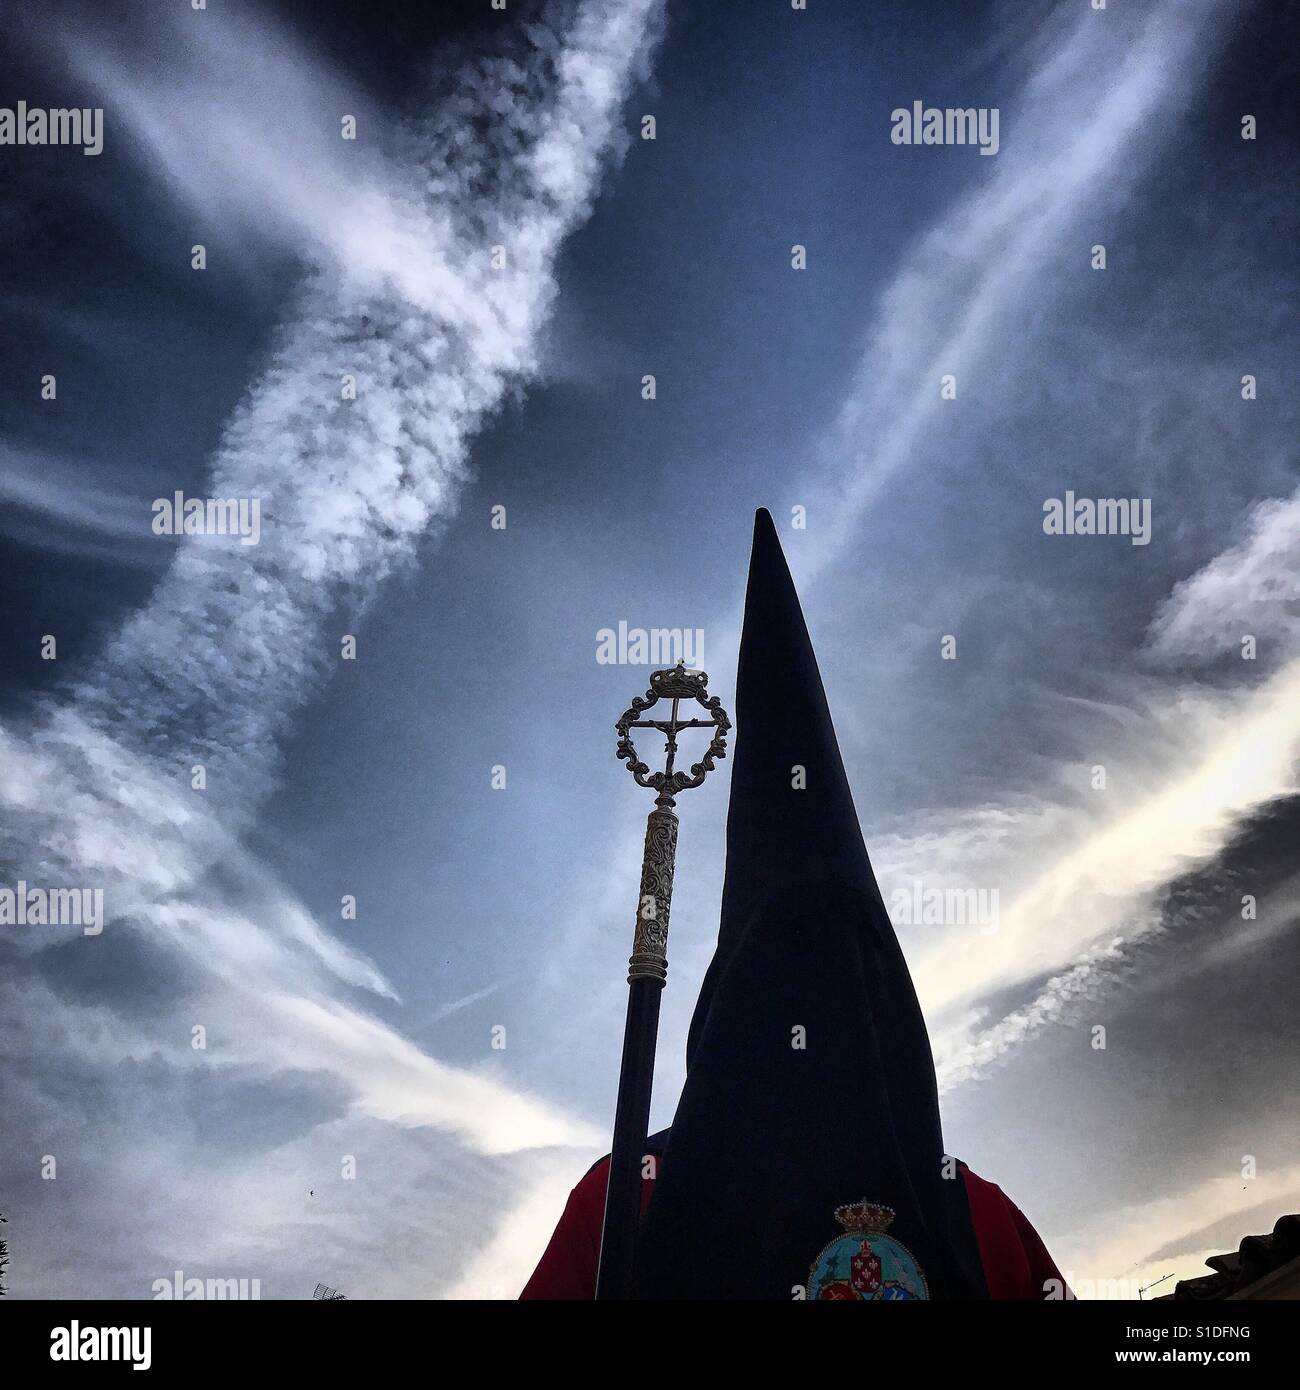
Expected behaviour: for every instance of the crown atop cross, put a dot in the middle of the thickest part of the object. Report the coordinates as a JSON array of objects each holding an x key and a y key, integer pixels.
[{"x": 675, "y": 684}]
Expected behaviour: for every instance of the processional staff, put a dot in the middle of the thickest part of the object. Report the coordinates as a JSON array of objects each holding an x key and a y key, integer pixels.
[{"x": 648, "y": 966}]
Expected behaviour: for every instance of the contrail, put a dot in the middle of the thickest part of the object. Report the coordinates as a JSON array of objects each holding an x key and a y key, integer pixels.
[
  {"x": 456, "y": 1005},
  {"x": 437, "y": 324},
  {"x": 434, "y": 329}
]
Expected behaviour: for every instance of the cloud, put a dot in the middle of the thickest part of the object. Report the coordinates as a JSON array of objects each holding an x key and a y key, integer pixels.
[
  {"x": 1074, "y": 869},
  {"x": 987, "y": 293},
  {"x": 215, "y": 669},
  {"x": 1079, "y": 873},
  {"x": 464, "y": 1002},
  {"x": 96, "y": 788},
  {"x": 518, "y": 1243},
  {"x": 1235, "y": 752},
  {"x": 46, "y": 503},
  {"x": 1104, "y": 1250},
  {"x": 53, "y": 489},
  {"x": 1253, "y": 588},
  {"x": 242, "y": 124},
  {"x": 1089, "y": 121},
  {"x": 236, "y": 639}
]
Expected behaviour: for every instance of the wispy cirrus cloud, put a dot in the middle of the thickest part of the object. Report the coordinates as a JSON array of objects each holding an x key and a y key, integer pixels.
[
  {"x": 1090, "y": 117},
  {"x": 401, "y": 293},
  {"x": 49, "y": 504},
  {"x": 1079, "y": 875},
  {"x": 1083, "y": 127},
  {"x": 1082, "y": 884},
  {"x": 1251, "y": 590},
  {"x": 1138, "y": 1244},
  {"x": 1238, "y": 758},
  {"x": 1209, "y": 756}
]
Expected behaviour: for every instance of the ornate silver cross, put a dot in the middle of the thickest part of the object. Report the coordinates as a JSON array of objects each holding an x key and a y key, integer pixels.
[{"x": 650, "y": 944}]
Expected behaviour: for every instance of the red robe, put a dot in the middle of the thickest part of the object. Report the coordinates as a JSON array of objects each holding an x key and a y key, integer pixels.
[{"x": 1016, "y": 1263}]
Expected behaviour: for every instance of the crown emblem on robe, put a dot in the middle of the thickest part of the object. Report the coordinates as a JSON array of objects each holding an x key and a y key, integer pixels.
[{"x": 864, "y": 1218}]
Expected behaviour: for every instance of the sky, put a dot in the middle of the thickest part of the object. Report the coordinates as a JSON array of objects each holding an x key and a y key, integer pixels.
[{"x": 423, "y": 351}]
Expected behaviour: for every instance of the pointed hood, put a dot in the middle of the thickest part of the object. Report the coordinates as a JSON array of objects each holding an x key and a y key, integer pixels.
[
  {"x": 792, "y": 829},
  {"x": 810, "y": 1082}
]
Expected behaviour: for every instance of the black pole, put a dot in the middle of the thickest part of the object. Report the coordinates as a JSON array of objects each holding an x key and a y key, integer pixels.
[
  {"x": 647, "y": 971},
  {"x": 631, "y": 1121}
]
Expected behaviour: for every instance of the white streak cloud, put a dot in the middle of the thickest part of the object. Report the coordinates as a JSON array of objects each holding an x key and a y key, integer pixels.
[
  {"x": 1252, "y": 589},
  {"x": 401, "y": 294}
]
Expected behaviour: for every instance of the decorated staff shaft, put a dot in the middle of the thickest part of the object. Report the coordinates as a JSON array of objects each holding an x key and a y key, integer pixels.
[{"x": 648, "y": 966}]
